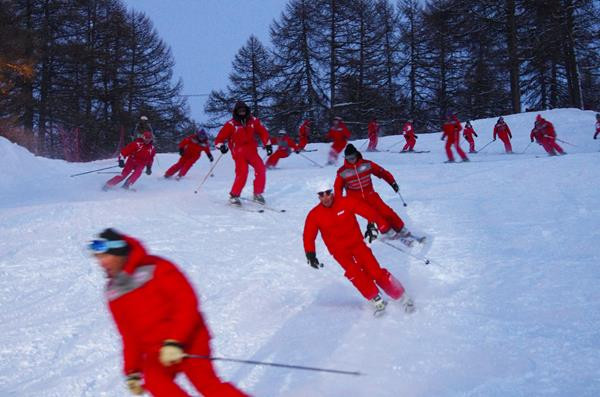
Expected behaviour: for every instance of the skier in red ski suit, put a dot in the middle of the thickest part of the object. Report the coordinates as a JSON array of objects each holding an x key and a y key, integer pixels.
[
  {"x": 373, "y": 129},
  {"x": 597, "y": 125},
  {"x": 303, "y": 133},
  {"x": 355, "y": 177},
  {"x": 190, "y": 149},
  {"x": 339, "y": 134},
  {"x": 451, "y": 132},
  {"x": 547, "y": 135},
  {"x": 240, "y": 135},
  {"x": 503, "y": 132},
  {"x": 409, "y": 134},
  {"x": 156, "y": 312},
  {"x": 335, "y": 218},
  {"x": 139, "y": 153},
  {"x": 285, "y": 146},
  {"x": 468, "y": 133}
]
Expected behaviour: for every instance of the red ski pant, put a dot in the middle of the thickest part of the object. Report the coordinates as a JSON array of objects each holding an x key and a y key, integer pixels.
[
  {"x": 552, "y": 147},
  {"x": 336, "y": 148},
  {"x": 131, "y": 167},
  {"x": 506, "y": 140},
  {"x": 456, "y": 145},
  {"x": 159, "y": 380},
  {"x": 374, "y": 201},
  {"x": 183, "y": 165},
  {"x": 275, "y": 157},
  {"x": 410, "y": 143},
  {"x": 471, "y": 144},
  {"x": 372, "y": 143},
  {"x": 243, "y": 158},
  {"x": 363, "y": 270},
  {"x": 302, "y": 143}
]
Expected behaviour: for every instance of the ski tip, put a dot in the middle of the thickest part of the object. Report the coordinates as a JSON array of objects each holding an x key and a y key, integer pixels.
[{"x": 261, "y": 211}]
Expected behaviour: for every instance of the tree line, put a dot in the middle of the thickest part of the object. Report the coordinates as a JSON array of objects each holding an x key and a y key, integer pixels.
[
  {"x": 364, "y": 59},
  {"x": 75, "y": 76}
]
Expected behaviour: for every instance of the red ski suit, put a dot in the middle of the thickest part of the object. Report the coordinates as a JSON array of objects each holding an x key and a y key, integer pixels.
[
  {"x": 597, "y": 129},
  {"x": 373, "y": 135},
  {"x": 339, "y": 135},
  {"x": 139, "y": 155},
  {"x": 503, "y": 132},
  {"x": 409, "y": 134},
  {"x": 451, "y": 132},
  {"x": 356, "y": 179},
  {"x": 468, "y": 133},
  {"x": 285, "y": 145},
  {"x": 343, "y": 238},
  {"x": 548, "y": 135},
  {"x": 152, "y": 301},
  {"x": 303, "y": 133},
  {"x": 241, "y": 139},
  {"x": 192, "y": 149}
]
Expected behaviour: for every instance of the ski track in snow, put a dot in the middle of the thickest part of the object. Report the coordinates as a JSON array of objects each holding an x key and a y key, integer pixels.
[{"x": 511, "y": 305}]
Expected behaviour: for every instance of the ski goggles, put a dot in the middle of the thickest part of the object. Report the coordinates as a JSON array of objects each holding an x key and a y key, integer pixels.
[
  {"x": 351, "y": 157},
  {"x": 324, "y": 193},
  {"x": 101, "y": 246}
]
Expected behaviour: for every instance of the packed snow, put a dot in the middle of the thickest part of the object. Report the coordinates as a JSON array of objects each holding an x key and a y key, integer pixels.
[{"x": 510, "y": 305}]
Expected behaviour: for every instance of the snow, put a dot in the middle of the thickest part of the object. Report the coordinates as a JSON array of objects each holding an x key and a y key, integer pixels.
[{"x": 510, "y": 308}]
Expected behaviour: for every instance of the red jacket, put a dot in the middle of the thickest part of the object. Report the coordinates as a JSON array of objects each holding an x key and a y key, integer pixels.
[
  {"x": 501, "y": 129},
  {"x": 304, "y": 130},
  {"x": 151, "y": 301},
  {"x": 338, "y": 225},
  {"x": 240, "y": 136},
  {"x": 451, "y": 130},
  {"x": 468, "y": 133},
  {"x": 408, "y": 131},
  {"x": 356, "y": 178},
  {"x": 140, "y": 152},
  {"x": 597, "y": 129},
  {"x": 192, "y": 147},
  {"x": 537, "y": 133},
  {"x": 547, "y": 129},
  {"x": 373, "y": 129},
  {"x": 285, "y": 143},
  {"x": 339, "y": 136}
]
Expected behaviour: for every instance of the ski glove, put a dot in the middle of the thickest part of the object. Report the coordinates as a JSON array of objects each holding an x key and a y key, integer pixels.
[
  {"x": 395, "y": 186},
  {"x": 311, "y": 259},
  {"x": 148, "y": 170},
  {"x": 222, "y": 147},
  {"x": 171, "y": 353},
  {"x": 134, "y": 384},
  {"x": 371, "y": 233},
  {"x": 494, "y": 139},
  {"x": 121, "y": 163},
  {"x": 210, "y": 157},
  {"x": 532, "y": 139},
  {"x": 298, "y": 151},
  {"x": 269, "y": 149},
  {"x": 181, "y": 151},
  {"x": 416, "y": 137}
]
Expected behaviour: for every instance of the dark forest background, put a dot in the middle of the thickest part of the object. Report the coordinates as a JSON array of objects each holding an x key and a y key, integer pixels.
[{"x": 76, "y": 75}]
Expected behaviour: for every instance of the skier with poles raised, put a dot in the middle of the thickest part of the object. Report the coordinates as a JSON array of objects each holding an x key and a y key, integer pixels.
[
  {"x": 303, "y": 133},
  {"x": 503, "y": 132},
  {"x": 373, "y": 133},
  {"x": 409, "y": 134},
  {"x": 285, "y": 146},
  {"x": 451, "y": 132},
  {"x": 156, "y": 312},
  {"x": 190, "y": 149},
  {"x": 335, "y": 218},
  {"x": 240, "y": 135},
  {"x": 468, "y": 133},
  {"x": 139, "y": 153},
  {"x": 339, "y": 134}
]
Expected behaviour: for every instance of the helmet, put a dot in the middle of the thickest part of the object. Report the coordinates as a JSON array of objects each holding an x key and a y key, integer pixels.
[
  {"x": 144, "y": 118},
  {"x": 500, "y": 119},
  {"x": 539, "y": 117},
  {"x": 201, "y": 135},
  {"x": 320, "y": 185}
]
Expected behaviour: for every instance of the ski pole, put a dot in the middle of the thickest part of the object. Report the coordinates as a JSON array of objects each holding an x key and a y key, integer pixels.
[
  {"x": 335, "y": 371},
  {"x": 393, "y": 145},
  {"x": 424, "y": 259},
  {"x": 209, "y": 172},
  {"x": 560, "y": 140},
  {"x": 401, "y": 198},
  {"x": 363, "y": 144},
  {"x": 484, "y": 146},
  {"x": 89, "y": 172},
  {"x": 526, "y": 147},
  {"x": 311, "y": 160}
]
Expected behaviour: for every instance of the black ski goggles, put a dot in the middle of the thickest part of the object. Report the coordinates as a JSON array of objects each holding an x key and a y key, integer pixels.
[{"x": 324, "y": 193}]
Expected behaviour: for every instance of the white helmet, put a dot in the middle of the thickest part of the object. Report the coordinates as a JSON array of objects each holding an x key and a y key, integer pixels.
[
  {"x": 144, "y": 118},
  {"x": 319, "y": 185}
]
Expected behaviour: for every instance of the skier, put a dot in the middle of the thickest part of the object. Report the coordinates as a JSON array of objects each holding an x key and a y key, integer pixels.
[
  {"x": 355, "y": 177},
  {"x": 409, "y": 134},
  {"x": 468, "y": 133},
  {"x": 139, "y": 153},
  {"x": 547, "y": 136},
  {"x": 373, "y": 129},
  {"x": 597, "y": 125},
  {"x": 142, "y": 126},
  {"x": 285, "y": 145},
  {"x": 451, "y": 132},
  {"x": 335, "y": 218},
  {"x": 303, "y": 133},
  {"x": 156, "y": 312},
  {"x": 190, "y": 149},
  {"x": 240, "y": 134},
  {"x": 503, "y": 132},
  {"x": 339, "y": 134}
]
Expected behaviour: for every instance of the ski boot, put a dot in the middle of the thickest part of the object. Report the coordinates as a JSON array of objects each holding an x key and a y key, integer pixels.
[
  {"x": 379, "y": 304},
  {"x": 258, "y": 198},
  {"x": 407, "y": 304},
  {"x": 235, "y": 200}
]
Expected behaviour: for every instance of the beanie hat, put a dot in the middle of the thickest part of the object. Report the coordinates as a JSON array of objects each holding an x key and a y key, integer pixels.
[
  {"x": 350, "y": 150},
  {"x": 112, "y": 235}
]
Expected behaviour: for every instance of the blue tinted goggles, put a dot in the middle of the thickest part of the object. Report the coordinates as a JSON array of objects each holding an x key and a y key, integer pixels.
[{"x": 101, "y": 246}]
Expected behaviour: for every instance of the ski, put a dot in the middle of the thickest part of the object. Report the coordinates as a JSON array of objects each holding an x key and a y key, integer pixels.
[
  {"x": 309, "y": 150},
  {"x": 414, "y": 151},
  {"x": 245, "y": 209},
  {"x": 263, "y": 206}
]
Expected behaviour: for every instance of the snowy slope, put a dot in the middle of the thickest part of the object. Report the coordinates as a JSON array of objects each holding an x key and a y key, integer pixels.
[{"x": 512, "y": 307}]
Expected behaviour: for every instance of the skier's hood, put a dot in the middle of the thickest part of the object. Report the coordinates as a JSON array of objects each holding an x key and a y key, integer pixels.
[
  {"x": 136, "y": 255},
  {"x": 240, "y": 105}
]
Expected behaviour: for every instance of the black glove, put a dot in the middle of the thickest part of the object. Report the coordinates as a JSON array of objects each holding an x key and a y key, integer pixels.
[
  {"x": 442, "y": 138},
  {"x": 121, "y": 163},
  {"x": 532, "y": 139},
  {"x": 594, "y": 138},
  {"x": 371, "y": 233},
  {"x": 223, "y": 148},
  {"x": 494, "y": 139},
  {"x": 416, "y": 137},
  {"x": 311, "y": 259},
  {"x": 210, "y": 157},
  {"x": 395, "y": 186},
  {"x": 298, "y": 151},
  {"x": 475, "y": 134},
  {"x": 148, "y": 170},
  {"x": 181, "y": 151},
  {"x": 269, "y": 149}
]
